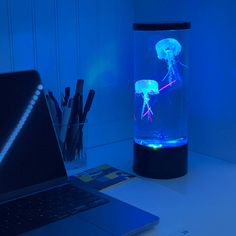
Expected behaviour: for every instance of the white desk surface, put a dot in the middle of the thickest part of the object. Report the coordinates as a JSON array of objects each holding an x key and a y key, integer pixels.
[{"x": 202, "y": 203}]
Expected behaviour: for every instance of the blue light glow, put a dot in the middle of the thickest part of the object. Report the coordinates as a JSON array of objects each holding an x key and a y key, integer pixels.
[
  {"x": 146, "y": 88},
  {"x": 32, "y": 102},
  {"x": 165, "y": 143},
  {"x": 155, "y": 146},
  {"x": 40, "y": 87},
  {"x": 35, "y": 97},
  {"x": 167, "y": 49},
  {"x": 172, "y": 142},
  {"x": 21, "y": 122}
]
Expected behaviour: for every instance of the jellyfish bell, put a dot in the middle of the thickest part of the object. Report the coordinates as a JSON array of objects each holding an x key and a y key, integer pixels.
[
  {"x": 146, "y": 87},
  {"x": 168, "y": 47}
]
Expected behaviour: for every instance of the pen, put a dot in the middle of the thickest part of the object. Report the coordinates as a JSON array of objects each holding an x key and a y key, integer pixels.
[
  {"x": 67, "y": 96},
  {"x": 79, "y": 90},
  {"x": 78, "y": 139},
  {"x": 88, "y": 104},
  {"x": 53, "y": 113},
  {"x": 57, "y": 107},
  {"x": 65, "y": 121},
  {"x": 75, "y": 117}
]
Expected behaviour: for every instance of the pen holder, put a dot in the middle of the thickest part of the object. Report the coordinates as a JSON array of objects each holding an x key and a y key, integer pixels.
[{"x": 73, "y": 141}]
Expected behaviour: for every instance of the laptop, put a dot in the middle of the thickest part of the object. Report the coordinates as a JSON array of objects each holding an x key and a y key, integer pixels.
[{"x": 36, "y": 195}]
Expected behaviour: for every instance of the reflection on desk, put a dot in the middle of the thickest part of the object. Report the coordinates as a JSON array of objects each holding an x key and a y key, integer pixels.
[{"x": 202, "y": 203}]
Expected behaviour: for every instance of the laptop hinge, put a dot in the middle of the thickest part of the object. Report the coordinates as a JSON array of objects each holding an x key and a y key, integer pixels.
[{"x": 32, "y": 189}]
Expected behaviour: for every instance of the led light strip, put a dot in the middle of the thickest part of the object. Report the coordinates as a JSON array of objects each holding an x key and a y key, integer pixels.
[{"x": 21, "y": 122}]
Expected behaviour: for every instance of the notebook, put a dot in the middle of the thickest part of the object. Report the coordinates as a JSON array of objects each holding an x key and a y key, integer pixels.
[{"x": 36, "y": 195}]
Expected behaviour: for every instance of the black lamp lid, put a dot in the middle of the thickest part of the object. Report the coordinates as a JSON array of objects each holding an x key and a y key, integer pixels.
[{"x": 161, "y": 26}]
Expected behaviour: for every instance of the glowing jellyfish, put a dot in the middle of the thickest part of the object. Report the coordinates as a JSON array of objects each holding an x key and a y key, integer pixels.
[
  {"x": 168, "y": 49},
  {"x": 146, "y": 88}
]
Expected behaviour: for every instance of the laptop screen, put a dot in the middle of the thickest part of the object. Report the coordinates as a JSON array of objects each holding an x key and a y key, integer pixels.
[{"x": 29, "y": 151}]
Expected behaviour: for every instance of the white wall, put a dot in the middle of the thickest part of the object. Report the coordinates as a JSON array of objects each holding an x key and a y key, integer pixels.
[
  {"x": 66, "y": 40},
  {"x": 158, "y": 10},
  {"x": 212, "y": 81},
  {"x": 92, "y": 39}
]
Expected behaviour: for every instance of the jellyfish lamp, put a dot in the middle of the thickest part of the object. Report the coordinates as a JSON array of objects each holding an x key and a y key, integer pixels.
[{"x": 160, "y": 113}]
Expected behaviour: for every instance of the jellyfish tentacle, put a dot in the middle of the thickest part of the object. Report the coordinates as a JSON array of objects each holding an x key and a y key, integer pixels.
[
  {"x": 167, "y": 75},
  {"x": 170, "y": 68},
  {"x": 175, "y": 70},
  {"x": 143, "y": 107},
  {"x": 149, "y": 109},
  {"x": 182, "y": 64},
  {"x": 149, "y": 112},
  {"x": 145, "y": 104}
]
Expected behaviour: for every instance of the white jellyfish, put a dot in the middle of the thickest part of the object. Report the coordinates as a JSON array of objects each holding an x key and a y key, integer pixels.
[
  {"x": 168, "y": 49},
  {"x": 146, "y": 88}
]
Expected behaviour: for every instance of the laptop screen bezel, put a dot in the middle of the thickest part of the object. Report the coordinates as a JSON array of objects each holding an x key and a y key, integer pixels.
[{"x": 8, "y": 196}]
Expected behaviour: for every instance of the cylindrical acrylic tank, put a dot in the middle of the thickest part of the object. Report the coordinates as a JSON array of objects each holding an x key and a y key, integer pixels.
[{"x": 160, "y": 112}]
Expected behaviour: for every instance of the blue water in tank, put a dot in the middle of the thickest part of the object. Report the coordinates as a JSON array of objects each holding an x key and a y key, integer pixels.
[{"x": 160, "y": 88}]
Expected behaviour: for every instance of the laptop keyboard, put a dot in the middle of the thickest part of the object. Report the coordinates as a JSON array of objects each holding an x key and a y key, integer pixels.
[{"x": 33, "y": 211}]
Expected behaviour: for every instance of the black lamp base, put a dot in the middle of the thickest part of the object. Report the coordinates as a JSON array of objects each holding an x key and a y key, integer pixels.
[{"x": 160, "y": 163}]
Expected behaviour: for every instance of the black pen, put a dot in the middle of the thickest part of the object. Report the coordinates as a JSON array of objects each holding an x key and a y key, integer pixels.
[
  {"x": 58, "y": 109},
  {"x": 88, "y": 104},
  {"x": 75, "y": 116},
  {"x": 65, "y": 121},
  {"x": 78, "y": 139},
  {"x": 78, "y": 142},
  {"x": 67, "y": 96},
  {"x": 79, "y": 90}
]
